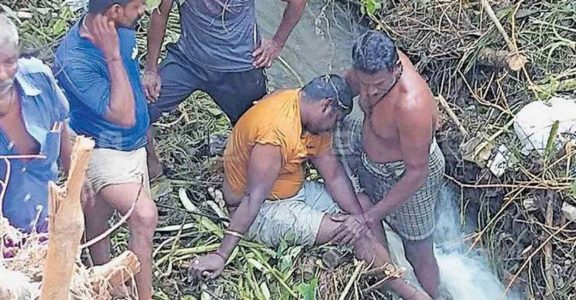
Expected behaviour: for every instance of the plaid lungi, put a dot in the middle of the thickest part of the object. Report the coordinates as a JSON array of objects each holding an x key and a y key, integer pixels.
[{"x": 415, "y": 219}]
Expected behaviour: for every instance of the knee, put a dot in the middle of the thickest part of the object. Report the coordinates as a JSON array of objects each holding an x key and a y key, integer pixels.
[
  {"x": 144, "y": 218},
  {"x": 420, "y": 253}
]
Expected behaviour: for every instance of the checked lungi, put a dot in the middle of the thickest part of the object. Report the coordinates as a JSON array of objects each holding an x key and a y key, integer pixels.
[{"x": 415, "y": 219}]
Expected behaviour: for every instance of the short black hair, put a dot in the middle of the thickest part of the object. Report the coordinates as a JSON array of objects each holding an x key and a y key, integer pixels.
[
  {"x": 99, "y": 6},
  {"x": 330, "y": 86},
  {"x": 373, "y": 52}
]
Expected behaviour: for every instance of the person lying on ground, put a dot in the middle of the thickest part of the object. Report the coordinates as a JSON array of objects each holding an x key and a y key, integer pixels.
[
  {"x": 96, "y": 64},
  {"x": 392, "y": 150},
  {"x": 265, "y": 189},
  {"x": 220, "y": 51},
  {"x": 33, "y": 134}
]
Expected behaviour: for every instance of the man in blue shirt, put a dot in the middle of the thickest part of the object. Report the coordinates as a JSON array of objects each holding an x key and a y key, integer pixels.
[
  {"x": 220, "y": 51},
  {"x": 33, "y": 135},
  {"x": 97, "y": 67}
]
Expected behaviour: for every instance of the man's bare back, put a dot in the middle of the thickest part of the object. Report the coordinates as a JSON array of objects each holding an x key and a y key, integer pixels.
[{"x": 409, "y": 99}]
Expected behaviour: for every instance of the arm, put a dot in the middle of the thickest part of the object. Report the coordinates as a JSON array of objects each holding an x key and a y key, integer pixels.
[
  {"x": 415, "y": 135},
  {"x": 263, "y": 168},
  {"x": 270, "y": 49},
  {"x": 290, "y": 18},
  {"x": 156, "y": 33},
  {"x": 65, "y": 150},
  {"x": 337, "y": 182},
  {"x": 120, "y": 109}
]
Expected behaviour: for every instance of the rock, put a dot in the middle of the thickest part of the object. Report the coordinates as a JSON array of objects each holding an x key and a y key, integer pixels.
[
  {"x": 529, "y": 204},
  {"x": 569, "y": 211},
  {"x": 534, "y": 122}
]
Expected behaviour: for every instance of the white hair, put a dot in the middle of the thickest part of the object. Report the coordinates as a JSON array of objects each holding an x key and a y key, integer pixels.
[{"x": 9, "y": 33}]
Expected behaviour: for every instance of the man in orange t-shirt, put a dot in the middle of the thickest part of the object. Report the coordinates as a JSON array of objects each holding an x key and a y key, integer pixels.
[{"x": 265, "y": 188}]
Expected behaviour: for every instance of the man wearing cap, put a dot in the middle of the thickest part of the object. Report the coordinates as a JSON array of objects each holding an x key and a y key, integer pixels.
[{"x": 97, "y": 66}]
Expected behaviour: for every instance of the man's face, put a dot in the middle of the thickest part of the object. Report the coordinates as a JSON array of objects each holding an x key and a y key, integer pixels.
[
  {"x": 128, "y": 16},
  {"x": 375, "y": 86},
  {"x": 325, "y": 117},
  {"x": 8, "y": 67}
]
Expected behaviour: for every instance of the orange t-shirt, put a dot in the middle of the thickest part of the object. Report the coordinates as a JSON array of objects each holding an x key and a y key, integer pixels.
[{"x": 274, "y": 120}]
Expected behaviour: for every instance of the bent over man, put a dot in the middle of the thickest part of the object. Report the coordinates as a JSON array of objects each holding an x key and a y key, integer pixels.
[
  {"x": 265, "y": 189},
  {"x": 96, "y": 65}
]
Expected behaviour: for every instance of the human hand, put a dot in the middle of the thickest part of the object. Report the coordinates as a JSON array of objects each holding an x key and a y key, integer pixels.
[
  {"x": 352, "y": 227},
  {"x": 152, "y": 85},
  {"x": 207, "y": 267},
  {"x": 266, "y": 53},
  {"x": 103, "y": 34}
]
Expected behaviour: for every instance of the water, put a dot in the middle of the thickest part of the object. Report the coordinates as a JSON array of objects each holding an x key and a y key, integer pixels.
[
  {"x": 322, "y": 43},
  {"x": 467, "y": 277}
]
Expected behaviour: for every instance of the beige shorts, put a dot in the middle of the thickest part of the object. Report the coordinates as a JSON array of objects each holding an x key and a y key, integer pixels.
[
  {"x": 295, "y": 220},
  {"x": 108, "y": 167}
]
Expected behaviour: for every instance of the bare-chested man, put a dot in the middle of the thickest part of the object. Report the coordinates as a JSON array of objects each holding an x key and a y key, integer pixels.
[{"x": 392, "y": 149}]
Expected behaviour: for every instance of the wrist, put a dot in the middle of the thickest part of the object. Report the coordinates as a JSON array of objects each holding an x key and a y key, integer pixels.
[
  {"x": 151, "y": 69},
  {"x": 370, "y": 217},
  {"x": 223, "y": 256},
  {"x": 112, "y": 57},
  {"x": 278, "y": 42}
]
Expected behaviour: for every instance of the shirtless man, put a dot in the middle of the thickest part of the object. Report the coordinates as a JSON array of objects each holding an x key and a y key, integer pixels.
[{"x": 392, "y": 149}]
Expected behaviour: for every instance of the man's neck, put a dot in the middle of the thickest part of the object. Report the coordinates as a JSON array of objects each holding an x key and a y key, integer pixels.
[
  {"x": 86, "y": 24},
  {"x": 7, "y": 101},
  {"x": 304, "y": 111}
]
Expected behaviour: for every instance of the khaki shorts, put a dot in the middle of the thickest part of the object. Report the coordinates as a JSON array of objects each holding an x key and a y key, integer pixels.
[
  {"x": 295, "y": 220},
  {"x": 415, "y": 219},
  {"x": 108, "y": 167}
]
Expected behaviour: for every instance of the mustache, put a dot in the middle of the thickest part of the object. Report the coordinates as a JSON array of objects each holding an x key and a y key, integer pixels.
[{"x": 6, "y": 85}]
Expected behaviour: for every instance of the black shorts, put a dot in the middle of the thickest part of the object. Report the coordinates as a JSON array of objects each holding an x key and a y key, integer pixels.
[{"x": 234, "y": 92}]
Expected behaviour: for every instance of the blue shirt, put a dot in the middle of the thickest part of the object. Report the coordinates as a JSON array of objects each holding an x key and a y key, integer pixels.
[
  {"x": 82, "y": 72},
  {"x": 42, "y": 105},
  {"x": 220, "y": 35}
]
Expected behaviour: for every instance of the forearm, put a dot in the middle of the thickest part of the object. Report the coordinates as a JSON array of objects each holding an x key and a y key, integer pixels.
[
  {"x": 398, "y": 195},
  {"x": 121, "y": 108},
  {"x": 290, "y": 18},
  {"x": 65, "y": 151},
  {"x": 241, "y": 221},
  {"x": 155, "y": 38},
  {"x": 342, "y": 191}
]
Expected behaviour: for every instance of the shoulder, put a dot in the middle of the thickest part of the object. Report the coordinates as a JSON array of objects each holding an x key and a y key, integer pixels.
[
  {"x": 31, "y": 66},
  {"x": 414, "y": 96}
]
